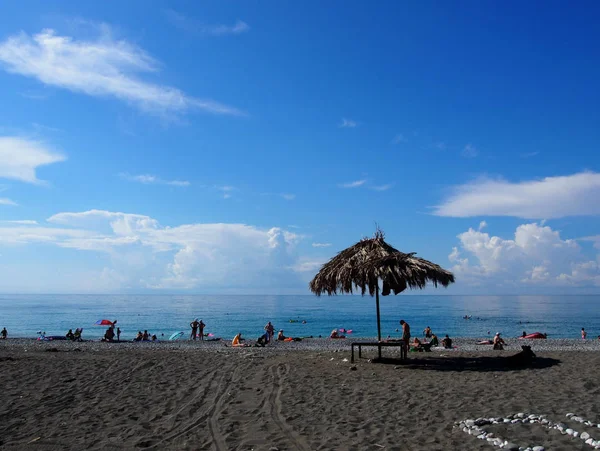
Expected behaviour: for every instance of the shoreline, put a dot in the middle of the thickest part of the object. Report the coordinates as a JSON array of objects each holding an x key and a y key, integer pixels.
[{"x": 463, "y": 345}]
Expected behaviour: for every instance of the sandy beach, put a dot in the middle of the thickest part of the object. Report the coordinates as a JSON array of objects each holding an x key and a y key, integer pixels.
[{"x": 59, "y": 395}]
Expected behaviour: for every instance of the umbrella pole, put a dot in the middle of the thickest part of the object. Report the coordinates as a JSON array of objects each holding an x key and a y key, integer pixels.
[{"x": 378, "y": 320}]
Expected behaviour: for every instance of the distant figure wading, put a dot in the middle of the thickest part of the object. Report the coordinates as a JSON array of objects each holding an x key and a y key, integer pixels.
[{"x": 427, "y": 332}]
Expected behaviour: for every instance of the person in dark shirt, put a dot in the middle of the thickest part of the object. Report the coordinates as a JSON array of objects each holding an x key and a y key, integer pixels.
[{"x": 447, "y": 342}]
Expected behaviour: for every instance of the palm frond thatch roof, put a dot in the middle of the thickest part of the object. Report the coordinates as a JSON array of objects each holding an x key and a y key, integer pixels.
[{"x": 361, "y": 266}]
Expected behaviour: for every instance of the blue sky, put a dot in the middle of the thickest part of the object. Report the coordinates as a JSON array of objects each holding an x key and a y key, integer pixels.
[{"x": 216, "y": 147}]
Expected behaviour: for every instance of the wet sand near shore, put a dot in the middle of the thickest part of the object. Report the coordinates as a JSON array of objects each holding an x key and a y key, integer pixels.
[{"x": 81, "y": 396}]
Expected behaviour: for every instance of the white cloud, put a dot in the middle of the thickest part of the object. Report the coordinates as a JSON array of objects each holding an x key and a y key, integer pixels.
[
  {"x": 7, "y": 201},
  {"x": 399, "y": 139},
  {"x": 148, "y": 179},
  {"x": 529, "y": 154},
  {"x": 220, "y": 30},
  {"x": 536, "y": 255},
  {"x": 100, "y": 67},
  {"x": 470, "y": 151},
  {"x": 551, "y": 197},
  {"x": 20, "y": 157},
  {"x": 321, "y": 244},
  {"x": 348, "y": 123},
  {"x": 22, "y": 234},
  {"x": 20, "y": 221},
  {"x": 354, "y": 184},
  {"x": 308, "y": 266},
  {"x": 383, "y": 187},
  {"x": 192, "y": 25},
  {"x": 227, "y": 191},
  {"x": 146, "y": 254},
  {"x": 483, "y": 225},
  {"x": 288, "y": 196}
]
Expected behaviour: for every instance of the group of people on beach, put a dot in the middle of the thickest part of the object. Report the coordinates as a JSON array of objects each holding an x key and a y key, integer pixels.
[
  {"x": 267, "y": 337},
  {"x": 417, "y": 345},
  {"x": 197, "y": 327},
  {"x": 74, "y": 336},
  {"x": 114, "y": 332},
  {"x": 111, "y": 333}
]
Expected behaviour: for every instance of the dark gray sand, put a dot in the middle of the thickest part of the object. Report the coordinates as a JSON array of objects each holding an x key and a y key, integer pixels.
[{"x": 299, "y": 396}]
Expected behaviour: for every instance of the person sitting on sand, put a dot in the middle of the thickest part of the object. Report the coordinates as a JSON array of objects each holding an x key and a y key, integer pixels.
[
  {"x": 262, "y": 340},
  {"x": 139, "y": 336},
  {"x": 77, "y": 334},
  {"x": 280, "y": 336},
  {"x": 415, "y": 345},
  {"x": 70, "y": 335},
  {"x": 145, "y": 335},
  {"x": 583, "y": 334},
  {"x": 498, "y": 342},
  {"x": 335, "y": 334},
  {"x": 427, "y": 332},
  {"x": 154, "y": 338},
  {"x": 237, "y": 341},
  {"x": 447, "y": 342},
  {"x": 4, "y": 333},
  {"x": 434, "y": 341},
  {"x": 524, "y": 334},
  {"x": 109, "y": 335}
]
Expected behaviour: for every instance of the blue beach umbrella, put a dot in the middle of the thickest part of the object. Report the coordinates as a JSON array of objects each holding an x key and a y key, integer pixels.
[{"x": 176, "y": 336}]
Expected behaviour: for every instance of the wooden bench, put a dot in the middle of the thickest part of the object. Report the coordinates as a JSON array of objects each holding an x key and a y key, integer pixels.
[{"x": 379, "y": 345}]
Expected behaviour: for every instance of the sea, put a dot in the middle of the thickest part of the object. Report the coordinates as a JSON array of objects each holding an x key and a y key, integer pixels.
[{"x": 302, "y": 315}]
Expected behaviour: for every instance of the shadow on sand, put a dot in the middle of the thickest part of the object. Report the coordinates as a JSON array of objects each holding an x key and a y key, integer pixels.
[{"x": 482, "y": 364}]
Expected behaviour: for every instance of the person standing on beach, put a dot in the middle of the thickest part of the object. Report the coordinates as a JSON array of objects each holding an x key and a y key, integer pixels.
[
  {"x": 194, "y": 325},
  {"x": 270, "y": 329},
  {"x": 427, "y": 332},
  {"x": 583, "y": 334},
  {"x": 405, "y": 333},
  {"x": 201, "y": 327},
  {"x": 4, "y": 333},
  {"x": 118, "y": 333}
]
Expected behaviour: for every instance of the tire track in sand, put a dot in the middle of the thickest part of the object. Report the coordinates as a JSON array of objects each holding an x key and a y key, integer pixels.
[
  {"x": 279, "y": 373},
  {"x": 216, "y": 402},
  {"x": 213, "y": 422}
]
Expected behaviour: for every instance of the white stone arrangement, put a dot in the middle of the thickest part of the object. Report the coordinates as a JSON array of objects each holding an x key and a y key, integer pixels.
[{"x": 473, "y": 427}]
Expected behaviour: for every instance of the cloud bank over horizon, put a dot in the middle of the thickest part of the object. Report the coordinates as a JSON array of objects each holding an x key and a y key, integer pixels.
[
  {"x": 537, "y": 256},
  {"x": 143, "y": 254}
]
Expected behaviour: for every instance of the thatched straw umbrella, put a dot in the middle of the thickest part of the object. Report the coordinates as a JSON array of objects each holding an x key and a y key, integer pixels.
[{"x": 370, "y": 260}]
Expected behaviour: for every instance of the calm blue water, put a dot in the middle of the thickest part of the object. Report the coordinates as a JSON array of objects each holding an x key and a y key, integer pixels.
[{"x": 559, "y": 316}]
